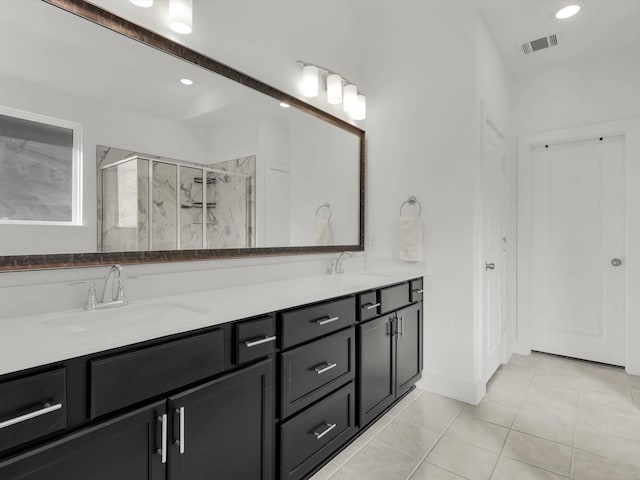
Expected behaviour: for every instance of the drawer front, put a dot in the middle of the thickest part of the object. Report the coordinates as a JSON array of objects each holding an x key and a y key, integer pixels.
[
  {"x": 368, "y": 305},
  {"x": 311, "y": 371},
  {"x": 128, "y": 378},
  {"x": 416, "y": 287},
  {"x": 32, "y": 407},
  {"x": 311, "y": 436},
  {"x": 254, "y": 339},
  {"x": 394, "y": 297},
  {"x": 317, "y": 320}
]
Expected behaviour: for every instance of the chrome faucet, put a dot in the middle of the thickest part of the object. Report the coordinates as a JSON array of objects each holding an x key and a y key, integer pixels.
[
  {"x": 336, "y": 265},
  {"x": 118, "y": 297}
]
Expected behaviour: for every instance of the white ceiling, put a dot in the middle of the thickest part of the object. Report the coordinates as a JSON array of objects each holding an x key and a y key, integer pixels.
[{"x": 602, "y": 27}]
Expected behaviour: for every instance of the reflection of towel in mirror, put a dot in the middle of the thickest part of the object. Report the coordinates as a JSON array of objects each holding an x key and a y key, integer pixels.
[
  {"x": 410, "y": 239},
  {"x": 322, "y": 231}
]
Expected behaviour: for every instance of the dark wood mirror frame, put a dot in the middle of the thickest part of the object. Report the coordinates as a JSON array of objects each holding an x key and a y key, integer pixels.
[{"x": 117, "y": 24}]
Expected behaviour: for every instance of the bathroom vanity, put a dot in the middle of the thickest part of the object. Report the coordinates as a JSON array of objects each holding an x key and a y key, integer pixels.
[{"x": 197, "y": 392}]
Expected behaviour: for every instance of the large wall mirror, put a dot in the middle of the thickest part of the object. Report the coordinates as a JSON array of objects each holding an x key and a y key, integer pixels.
[{"x": 105, "y": 156}]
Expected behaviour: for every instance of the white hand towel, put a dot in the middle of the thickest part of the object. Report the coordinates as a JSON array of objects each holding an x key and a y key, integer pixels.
[
  {"x": 322, "y": 231},
  {"x": 410, "y": 239}
]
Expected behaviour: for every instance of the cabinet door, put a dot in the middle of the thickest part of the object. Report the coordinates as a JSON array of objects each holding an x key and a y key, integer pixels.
[
  {"x": 376, "y": 385},
  {"x": 409, "y": 326},
  {"x": 126, "y": 448},
  {"x": 224, "y": 428}
]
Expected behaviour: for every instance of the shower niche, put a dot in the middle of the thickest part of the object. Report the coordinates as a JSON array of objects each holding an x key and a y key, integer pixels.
[{"x": 152, "y": 203}]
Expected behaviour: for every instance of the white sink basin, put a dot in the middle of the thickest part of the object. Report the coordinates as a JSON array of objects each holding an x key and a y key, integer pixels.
[{"x": 129, "y": 316}]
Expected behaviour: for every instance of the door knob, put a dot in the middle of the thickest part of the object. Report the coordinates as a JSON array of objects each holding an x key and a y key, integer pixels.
[
  {"x": 489, "y": 266},
  {"x": 616, "y": 262}
]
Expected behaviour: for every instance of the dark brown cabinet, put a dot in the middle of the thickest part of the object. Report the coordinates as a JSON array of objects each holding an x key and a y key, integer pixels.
[
  {"x": 128, "y": 447},
  {"x": 224, "y": 428},
  {"x": 390, "y": 360}
]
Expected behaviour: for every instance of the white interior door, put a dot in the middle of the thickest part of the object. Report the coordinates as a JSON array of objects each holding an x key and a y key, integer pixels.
[
  {"x": 493, "y": 172},
  {"x": 577, "y": 238}
]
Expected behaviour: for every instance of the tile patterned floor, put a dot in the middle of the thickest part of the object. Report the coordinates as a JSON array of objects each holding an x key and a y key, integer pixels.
[{"x": 544, "y": 417}]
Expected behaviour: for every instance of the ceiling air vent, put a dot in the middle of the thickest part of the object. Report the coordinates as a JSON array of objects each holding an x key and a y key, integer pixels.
[{"x": 540, "y": 44}]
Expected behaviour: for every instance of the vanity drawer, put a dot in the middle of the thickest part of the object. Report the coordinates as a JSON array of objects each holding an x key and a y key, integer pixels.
[
  {"x": 317, "y": 320},
  {"x": 32, "y": 407},
  {"x": 125, "y": 379},
  {"x": 368, "y": 305},
  {"x": 392, "y": 298},
  {"x": 254, "y": 339},
  {"x": 416, "y": 287},
  {"x": 311, "y": 371},
  {"x": 311, "y": 436}
]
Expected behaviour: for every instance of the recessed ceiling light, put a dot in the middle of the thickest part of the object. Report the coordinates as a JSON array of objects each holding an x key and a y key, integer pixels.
[
  {"x": 284, "y": 105},
  {"x": 567, "y": 12},
  {"x": 142, "y": 3},
  {"x": 186, "y": 81}
]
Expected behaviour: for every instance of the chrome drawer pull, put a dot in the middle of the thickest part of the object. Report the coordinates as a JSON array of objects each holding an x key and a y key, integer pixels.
[
  {"x": 371, "y": 306},
  {"x": 330, "y": 426},
  {"x": 180, "y": 441},
  {"x": 163, "y": 449},
  {"x": 327, "y": 320},
  {"x": 418, "y": 290},
  {"x": 329, "y": 366},
  {"x": 28, "y": 416},
  {"x": 254, "y": 343}
]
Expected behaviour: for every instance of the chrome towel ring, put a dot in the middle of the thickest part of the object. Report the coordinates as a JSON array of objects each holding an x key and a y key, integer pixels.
[
  {"x": 411, "y": 201},
  {"x": 324, "y": 205}
]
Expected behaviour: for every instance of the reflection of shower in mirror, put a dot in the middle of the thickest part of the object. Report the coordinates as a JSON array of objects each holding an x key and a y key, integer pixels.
[{"x": 193, "y": 206}]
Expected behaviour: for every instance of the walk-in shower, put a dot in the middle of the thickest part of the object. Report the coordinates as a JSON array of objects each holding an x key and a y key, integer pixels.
[{"x": 149, "y": 203}]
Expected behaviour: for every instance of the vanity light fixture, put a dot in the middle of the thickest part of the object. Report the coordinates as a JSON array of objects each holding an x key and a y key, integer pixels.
[
  {"x": 284, "y": 105},
  {"x": 181, "y": 16},
  {"x": 339, "y": 89},
  {"x": 142, "y": 3},
  {"x": 310, "y": 81},
  {"x": 334, "y": 89},
  {"x": 567, "y": 12},
  {"x": 186, "y": 81}
]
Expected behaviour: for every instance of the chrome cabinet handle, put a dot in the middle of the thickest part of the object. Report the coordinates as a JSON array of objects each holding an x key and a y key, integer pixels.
[
  {"x": 401, "y": 320},
  {"x": 162, "y": 451},
  {"x": 327, "y": 320},
  {"x": 371, "y": 306},
  {"x": 180, "y": 442},
  {"x": 328, "y": 366},
  {"x": 418, "y": 290},
  {"x": 254, "y": 343},
  {"x": 616, "y": 262},
  {"x": 489, "y": 266},
  {"x": 28, "y": 416},
  {"x": 330, "y": 426}
]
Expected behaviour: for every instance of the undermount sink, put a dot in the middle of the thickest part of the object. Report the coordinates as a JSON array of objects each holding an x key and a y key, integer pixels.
[{"x": 129, "y": 315}]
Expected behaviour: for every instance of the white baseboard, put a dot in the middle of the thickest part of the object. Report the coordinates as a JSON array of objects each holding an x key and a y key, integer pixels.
[{"x": 462, "y": 390}]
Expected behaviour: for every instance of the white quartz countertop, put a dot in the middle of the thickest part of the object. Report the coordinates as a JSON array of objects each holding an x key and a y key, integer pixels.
[{"x": 31, "y": 341}]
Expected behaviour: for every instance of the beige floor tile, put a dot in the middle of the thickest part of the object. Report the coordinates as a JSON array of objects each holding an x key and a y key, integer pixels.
[
  {"x": 611, "y": 396},
  {"x": 520, "y": 370},
  {"x": 587, "y": 466},
  {"x": 634, "y": 380},
  {"x": 477, "y": 432},
  {"x": 379, "y": 425},
  {"x": 326, "y": 472},
  {"x": 538, "y": 452},
  {"x": 551, "y": 427},
  {"x": 635, "y": 391},
  {"x": 604, "y": 373},
  {"x": 409, "y": 438},
  {"x": 546, "y": 379},
  {"x": 509, "y": 469},
  {"x": 351, "y": 450},
  {"x": 531, "y": 361},
  {"x": 463, "y": 459},
  {"x": 428, "y": 471},
  {"x": 562, "y": 401},
  {"x": 433, "y": 412},
  {"x": 492, "y": 412},
  {"x": 508, "y": 388},
  {"x": 377, "y": 461},
  {"x": 611, "y": 421},
  {"x": 560, "y": 364},
  {"x": 400, "y": 406},
  {"x": 415, "y": 393},
  {"x": 622, "y": 449}
]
